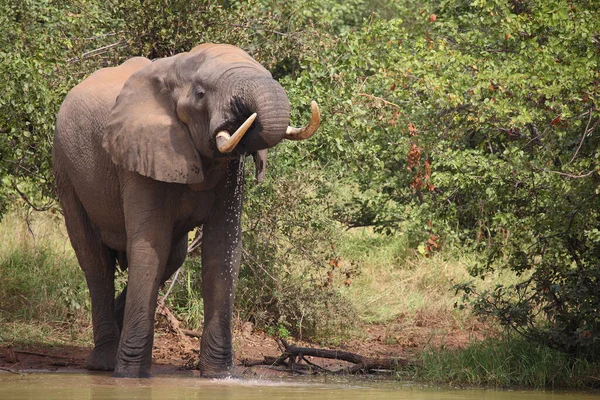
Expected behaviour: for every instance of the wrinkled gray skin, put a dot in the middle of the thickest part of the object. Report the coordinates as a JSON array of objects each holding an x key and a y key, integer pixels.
[{"x": 137, "y": 168}]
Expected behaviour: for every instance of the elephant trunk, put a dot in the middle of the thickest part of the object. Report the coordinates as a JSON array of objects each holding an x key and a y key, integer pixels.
[{"x": 268, "y": 100}]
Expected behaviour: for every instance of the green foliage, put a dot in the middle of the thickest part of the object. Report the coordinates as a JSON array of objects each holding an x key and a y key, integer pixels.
[
  {"x": 289, "y": 279},
  {"x": 527, "y": 192},
  {"x": 21, "y": 276},
  {"x": 291, "y": 273},
  {"x": 155, "y": 29},
  {"x": 38, "y": 66},
  {"x": 470, "y": 122},
  {"x": 475, "y": 123}
]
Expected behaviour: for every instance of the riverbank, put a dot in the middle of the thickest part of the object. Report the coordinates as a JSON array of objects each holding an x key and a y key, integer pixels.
[
  {"x": 400, "y": 303},
  {"x": 177, "y": 353},
  {"x": 456, "y": 359}
]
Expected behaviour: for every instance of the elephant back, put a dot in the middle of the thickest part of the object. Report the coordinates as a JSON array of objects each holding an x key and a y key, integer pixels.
[{"x": 88, "y": 104}]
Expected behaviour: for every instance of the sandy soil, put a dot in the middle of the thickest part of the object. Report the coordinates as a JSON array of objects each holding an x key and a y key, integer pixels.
[{"x": 176, "y": 354}]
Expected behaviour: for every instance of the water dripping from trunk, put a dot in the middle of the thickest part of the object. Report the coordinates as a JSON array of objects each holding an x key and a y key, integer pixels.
[{"x": 236, "y": 205}]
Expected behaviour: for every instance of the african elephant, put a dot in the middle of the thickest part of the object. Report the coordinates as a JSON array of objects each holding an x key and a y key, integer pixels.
[{"x": 143, "y": 153}]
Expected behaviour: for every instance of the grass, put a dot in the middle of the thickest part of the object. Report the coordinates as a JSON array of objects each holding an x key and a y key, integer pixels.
[
  {"x": 507, "y": 362},
  {"x": 394, "y": 282},
  {"x": 43, "y": 283},
  {"x": 43, "y": 293}
]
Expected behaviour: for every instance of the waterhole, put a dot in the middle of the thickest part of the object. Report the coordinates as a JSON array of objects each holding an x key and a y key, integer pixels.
[{"x": 102, "y": 386}]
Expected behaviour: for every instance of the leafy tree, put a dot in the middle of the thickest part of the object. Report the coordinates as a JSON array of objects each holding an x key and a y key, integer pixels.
[
  {"x": 475, "y": 122},
  {"x": 38, "y": 65}
]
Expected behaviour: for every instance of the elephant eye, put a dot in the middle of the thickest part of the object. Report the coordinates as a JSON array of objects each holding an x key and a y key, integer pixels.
[{"x": 199, "y": 92}]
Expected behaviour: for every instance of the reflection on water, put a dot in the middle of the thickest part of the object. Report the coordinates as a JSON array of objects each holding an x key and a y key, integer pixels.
[{"x": 102, "y": 386}]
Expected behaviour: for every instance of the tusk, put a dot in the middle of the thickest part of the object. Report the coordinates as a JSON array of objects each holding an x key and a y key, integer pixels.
[
  {"x": 309, "y": 130},
  {"x": 226, "y": 143}
]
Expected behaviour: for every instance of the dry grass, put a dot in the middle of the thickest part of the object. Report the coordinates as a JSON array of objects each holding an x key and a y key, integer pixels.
[
  {"x": 398, "y": 284},
  {"x": 22, "y": 230},
  {"x": 393, "y": 282}
]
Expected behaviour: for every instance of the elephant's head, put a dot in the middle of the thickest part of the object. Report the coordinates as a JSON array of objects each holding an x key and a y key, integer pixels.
[{"x": 178, "y": 112}]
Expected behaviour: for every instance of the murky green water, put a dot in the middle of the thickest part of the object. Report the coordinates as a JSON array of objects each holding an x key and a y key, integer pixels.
[{"x": 91, "y": 386}]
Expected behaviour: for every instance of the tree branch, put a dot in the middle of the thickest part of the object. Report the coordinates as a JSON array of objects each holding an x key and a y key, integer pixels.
[
  {"x": 98, "y": 51},
  {"x": 571, "y": 175},
  {"x": 29, "y": 203},
  {"x": 585, "y": 133}
]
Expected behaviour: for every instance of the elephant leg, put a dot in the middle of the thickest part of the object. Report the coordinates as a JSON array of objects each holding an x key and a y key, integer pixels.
[
  {"x": 176, "y": 259},
  {"x": 147, "y": 261},
  {"x": 98, "y": 264},
  {"x": 221, "y": 256},
  {"x": 149, "y": 227}
]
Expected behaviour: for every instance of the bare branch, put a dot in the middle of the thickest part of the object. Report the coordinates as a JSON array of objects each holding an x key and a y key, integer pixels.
[
  {"x": 191, "y": 333},
  {"x": 164, "y": 298},
  {"x": 196, "y": 243},
  {"x": 98, "y": 51},
  {"x": 270, "y": 361},
  {"x": 24, "y": 197},
  {"x": 571, "y": 175},
  {"x": 295, "y": 355},
  {"x": 11, "y": 370},
  {"x": 191, "y": 248},
  {"x": 261, "y": 29},
  {"x": 103, "y": 35},
  {"x": 586, "y": 131},
  {"x": 259, "y": 265}
]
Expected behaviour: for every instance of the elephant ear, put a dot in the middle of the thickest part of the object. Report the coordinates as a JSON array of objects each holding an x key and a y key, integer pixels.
[
  {"x": 260, "y": 162},
  {"x": 143, "y": 133}
]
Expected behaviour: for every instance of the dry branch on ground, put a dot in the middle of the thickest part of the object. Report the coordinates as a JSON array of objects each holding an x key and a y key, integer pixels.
[{"x": 294, "y": 359}]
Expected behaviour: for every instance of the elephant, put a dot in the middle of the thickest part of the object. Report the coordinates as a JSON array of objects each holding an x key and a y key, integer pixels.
[{"x": 143, "y": 153}]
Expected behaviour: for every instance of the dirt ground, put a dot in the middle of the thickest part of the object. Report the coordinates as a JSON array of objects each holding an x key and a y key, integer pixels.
[{"x": 176, "y": 354}]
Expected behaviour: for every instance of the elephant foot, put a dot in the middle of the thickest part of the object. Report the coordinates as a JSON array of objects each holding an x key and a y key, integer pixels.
[
  {"x": 131, "y": 373},
  {"x": 102, "y": 359},
  {"x": 217, "y": 370},
  {"x": 218, "y": 374},
  {"x": 132, "y": 369}
]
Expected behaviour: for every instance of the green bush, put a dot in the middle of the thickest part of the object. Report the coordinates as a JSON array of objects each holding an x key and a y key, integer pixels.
[{"x": 474, "y": 123}]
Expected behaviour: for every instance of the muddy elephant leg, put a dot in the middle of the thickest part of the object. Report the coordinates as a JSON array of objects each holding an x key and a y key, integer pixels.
[
  {"x": 149, "y": 228},
  {"x": 221, "y": 255},
  {"x": 147, "y": 254},
  {"x": 176, "y": 259},
  {"x": 98, "y": 264}
]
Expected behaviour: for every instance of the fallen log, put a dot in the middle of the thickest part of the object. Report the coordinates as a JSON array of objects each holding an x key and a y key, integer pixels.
[
  {"x": 294, "y": 358},
  {"x": 172, "y": 322},
  {"x": 270, "y": 361}
]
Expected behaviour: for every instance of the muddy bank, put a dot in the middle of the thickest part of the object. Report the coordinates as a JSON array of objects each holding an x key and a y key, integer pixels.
[{"x": 177, "y": 354}]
